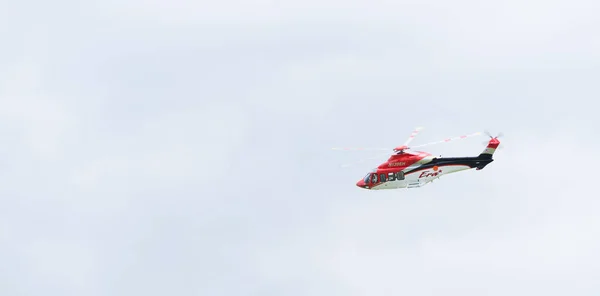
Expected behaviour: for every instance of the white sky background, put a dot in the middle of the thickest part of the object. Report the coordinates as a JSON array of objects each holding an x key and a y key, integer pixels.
[{"x": 182, "y": 148}]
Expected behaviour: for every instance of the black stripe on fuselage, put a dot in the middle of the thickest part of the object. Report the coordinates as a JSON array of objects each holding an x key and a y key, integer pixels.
[{"x": 472, "y": 162}]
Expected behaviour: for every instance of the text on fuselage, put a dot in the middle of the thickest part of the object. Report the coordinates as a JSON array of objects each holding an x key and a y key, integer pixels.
[{"x": 427, "y": 174}]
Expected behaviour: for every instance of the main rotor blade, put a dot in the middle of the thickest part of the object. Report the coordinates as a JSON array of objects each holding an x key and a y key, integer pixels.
[
  {"x": 448, "y": 140},
  {"x": 363, "y": 149},
  {"x": 413, "y": 135}
]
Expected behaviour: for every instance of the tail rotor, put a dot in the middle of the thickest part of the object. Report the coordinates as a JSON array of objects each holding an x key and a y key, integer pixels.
[{"x": 499, "y": 135}]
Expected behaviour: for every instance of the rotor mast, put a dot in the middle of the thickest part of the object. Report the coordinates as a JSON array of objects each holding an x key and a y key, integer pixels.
[{"x": 400, "y": 149}]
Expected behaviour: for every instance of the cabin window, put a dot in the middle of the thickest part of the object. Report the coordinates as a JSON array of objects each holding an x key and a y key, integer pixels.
[
  {"x": 391, "y": 177},
  {"x": 382, "y": 178},
  {"x": 367, "y": 177},
  {"x": 373, "y": 178},
  {"x": 400, "y": 175}
]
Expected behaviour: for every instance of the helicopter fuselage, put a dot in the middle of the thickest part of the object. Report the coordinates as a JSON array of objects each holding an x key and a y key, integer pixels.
[{"x": 417, "y": 169}]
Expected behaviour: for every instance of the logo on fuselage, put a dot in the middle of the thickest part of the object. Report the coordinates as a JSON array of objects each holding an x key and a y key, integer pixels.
[
  {"x": 427, "y": 174},
  {"x": 392, "y": 164}
]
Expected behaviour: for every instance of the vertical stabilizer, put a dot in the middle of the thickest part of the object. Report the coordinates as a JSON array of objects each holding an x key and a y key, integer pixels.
[{"x": 490, "y": 149}]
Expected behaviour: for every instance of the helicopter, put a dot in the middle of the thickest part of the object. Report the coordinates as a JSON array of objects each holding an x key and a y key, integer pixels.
[{"x": 407, "y": 168}]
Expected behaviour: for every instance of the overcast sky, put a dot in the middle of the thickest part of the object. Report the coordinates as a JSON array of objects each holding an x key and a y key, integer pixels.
[{"x": 183, "y": 147}]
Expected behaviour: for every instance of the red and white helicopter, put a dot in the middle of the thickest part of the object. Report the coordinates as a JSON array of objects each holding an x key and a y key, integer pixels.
[{"x": 406, "y": 169}]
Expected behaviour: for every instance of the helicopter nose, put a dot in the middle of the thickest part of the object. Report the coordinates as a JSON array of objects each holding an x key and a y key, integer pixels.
[{"x": 361, "y": 184}]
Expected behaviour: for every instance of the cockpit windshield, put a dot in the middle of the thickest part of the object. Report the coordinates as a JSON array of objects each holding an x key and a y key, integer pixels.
[{"x": 367, "y": 177}]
